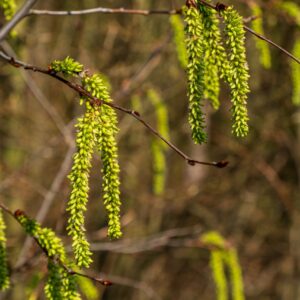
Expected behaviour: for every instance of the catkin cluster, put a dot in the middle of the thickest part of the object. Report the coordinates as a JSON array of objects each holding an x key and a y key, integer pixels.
[
  {"x": 208, "y": 60},
  {"x": 60, "y": 284},
  {"x": 96, "y": 130}
]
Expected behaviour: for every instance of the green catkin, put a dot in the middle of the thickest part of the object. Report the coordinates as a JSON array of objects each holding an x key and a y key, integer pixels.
[
  {"x": 218, "y": 272},
  {"x": 158, "y": 147},
  {"x": 292, "y": 9},
  {"x": 178, "y": 39},
  {"x": 235, "y": 273},
  {"x": 262, "y": 46},
  {"x": 239, "y": 77},
  {"x": 87, "y": 288},
  {"x": 215, "y": 58},
  {"x": 68, "y": 66},
  {"x": 4, "y": 278},
  {"x": 195, "y": 72},
  {"x": 107, "y": 145},
  {"x": 222, "y": 257},
  {"x": 159, "y": 167},
  {"x": 53, "y": 288},
  {"x": 9, "y": 8},
  {"x": 79, "y": 177},
  {"x": 60, "y": 283},
  {"x": 295, "y": 72},
  {"x": 217, "y": 263},
  {"x": 161, "y": 112}
]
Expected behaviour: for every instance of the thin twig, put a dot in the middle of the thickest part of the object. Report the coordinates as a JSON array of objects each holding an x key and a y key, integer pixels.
[
  {"x": 95, "y": 101},
  {"x": 103, "y": 10},
  {"x": 27, "y": 11},
  {"x": 23, "y": 12},
  {"x": 215, "y": 7}
]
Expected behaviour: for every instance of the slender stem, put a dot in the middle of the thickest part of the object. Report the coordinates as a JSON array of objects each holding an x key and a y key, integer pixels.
[
  {"x": 95, "y": 101},
  {"x": 104, "y": 11}
]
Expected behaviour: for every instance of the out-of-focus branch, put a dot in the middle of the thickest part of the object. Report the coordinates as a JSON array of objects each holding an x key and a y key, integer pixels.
[
  {"x": 23, "y": 12},
  {"x": 177, "y": 237},
  {"x": 48, "y": 200},
  {"x": 95, "y": 101},
  {"x": 41, "y": 98}
]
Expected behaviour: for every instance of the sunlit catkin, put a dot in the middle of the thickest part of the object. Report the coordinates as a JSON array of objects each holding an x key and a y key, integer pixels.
[
  {"x": 239, "y": 71},
  {"x": 195, "y": 72}
]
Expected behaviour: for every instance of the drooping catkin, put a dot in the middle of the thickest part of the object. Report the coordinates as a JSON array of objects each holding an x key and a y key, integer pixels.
[
  {"x": 178, "y": 38},
  {"x": 105, "y": 138},
  {"x": 262, "y": 46},
  {"x": 239, "y": 71},
  {"x": 195, "y": 72},
  {"x": 4, "y": 277}
]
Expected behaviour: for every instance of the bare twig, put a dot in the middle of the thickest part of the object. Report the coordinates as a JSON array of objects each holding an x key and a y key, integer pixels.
[
  {"x": 272, "y": 43},
  {"x": 104, "y": 10},
  {"x": 95, "y": 101},
  {"x": 151, "y": 12},
  {"x": 23, "y": 12},
  {"x": 215, "y": 7}
]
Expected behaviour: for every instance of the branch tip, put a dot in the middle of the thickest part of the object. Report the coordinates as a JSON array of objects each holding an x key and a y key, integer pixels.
[{"x": 222, "y": 164}]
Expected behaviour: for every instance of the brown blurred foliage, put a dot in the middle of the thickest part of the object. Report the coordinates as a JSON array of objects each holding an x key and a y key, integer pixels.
[{"x": 253, "y": 203}]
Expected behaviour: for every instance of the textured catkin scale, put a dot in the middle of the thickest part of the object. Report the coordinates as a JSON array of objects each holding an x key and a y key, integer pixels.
[
  {"x": 215, "y": 58},
  {"x": 79, "y": 178},
  {"x": 4, "y": 278},
  {"x": 239, "y": 71},
  {"x": 195, "y": 72},
  {"x": 68, "y": 66},
  {"x": 106, "y": 129},
  {"x": 262, "y": 46}
]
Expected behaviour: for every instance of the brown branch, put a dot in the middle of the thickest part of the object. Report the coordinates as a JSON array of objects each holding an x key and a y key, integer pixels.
[
  {"x": 217, "y": 8},
  {"x": 15, "y": 214},
  {"x": 95, "y": 101},
  {"x": 103, "y": 10}
]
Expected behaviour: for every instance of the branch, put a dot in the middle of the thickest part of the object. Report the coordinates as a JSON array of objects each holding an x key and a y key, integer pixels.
[
  {"x": 219, "y": 6},
  {"x": 23, "y": 12},
  {"x": 95, "y": 101},
  {"x": 103, "y": 10},
  {"x": 151, "y": 12},
  {"x": 104, "y": 282}
]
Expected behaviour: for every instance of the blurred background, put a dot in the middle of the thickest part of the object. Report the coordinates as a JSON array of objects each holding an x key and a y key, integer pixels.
[{"x": 254, "y": 202}]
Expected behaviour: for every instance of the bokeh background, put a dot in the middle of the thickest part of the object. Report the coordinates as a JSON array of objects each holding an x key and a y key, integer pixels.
[{"x": 254, "y": 202}]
